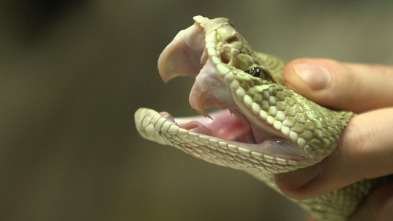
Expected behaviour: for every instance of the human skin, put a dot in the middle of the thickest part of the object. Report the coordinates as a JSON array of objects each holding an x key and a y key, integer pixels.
[{"x": 366, "y": 147}]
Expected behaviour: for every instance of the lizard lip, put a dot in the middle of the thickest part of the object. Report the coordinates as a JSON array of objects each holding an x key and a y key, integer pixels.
[
  {"x": 187, "y": 55},
  {"x": 182, "y": 57}
]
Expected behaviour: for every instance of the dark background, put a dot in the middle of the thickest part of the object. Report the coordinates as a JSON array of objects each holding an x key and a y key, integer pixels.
[{"x": 72, "y": 74}]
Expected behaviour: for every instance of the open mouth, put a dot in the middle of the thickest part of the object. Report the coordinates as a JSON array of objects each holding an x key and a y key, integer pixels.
[
  {"x": 196, "y": 52},
  {"x": 261, "y": 125}
]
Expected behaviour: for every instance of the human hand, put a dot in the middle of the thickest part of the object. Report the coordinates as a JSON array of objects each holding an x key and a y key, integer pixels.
[{"x": 366, "y": 148}]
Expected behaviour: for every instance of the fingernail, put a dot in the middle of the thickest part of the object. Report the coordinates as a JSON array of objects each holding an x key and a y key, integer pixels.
[
  {"x": 299, "y": 178},
  {"x": 316, "y": 77}
]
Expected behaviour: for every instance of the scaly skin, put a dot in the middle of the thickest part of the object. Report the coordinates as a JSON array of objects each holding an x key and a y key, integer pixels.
[{"x": 272, "y": 129}]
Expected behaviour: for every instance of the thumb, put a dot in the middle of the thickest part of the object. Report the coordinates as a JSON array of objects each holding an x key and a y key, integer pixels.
[{"x": 346, "y": 86}]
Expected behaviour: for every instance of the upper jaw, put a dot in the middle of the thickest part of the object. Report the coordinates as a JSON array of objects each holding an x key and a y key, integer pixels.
[
  {"x": 208, "y": 50},
  {"x": 182, "y": 56},
  {"x": 188, "y": 55}
]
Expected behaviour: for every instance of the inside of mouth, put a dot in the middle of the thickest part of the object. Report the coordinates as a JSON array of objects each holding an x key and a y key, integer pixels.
[
  {"x": 224, "y": 125},
  {"x": 221, "y": 124}
]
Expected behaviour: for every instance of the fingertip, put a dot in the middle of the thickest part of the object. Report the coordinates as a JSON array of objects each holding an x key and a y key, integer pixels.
[
  {"x": 292, "y": 183},
  {"x": 315, "y": 79},
  {"x": 313, "y": 75},
  {"x": 346, "y": 86}
]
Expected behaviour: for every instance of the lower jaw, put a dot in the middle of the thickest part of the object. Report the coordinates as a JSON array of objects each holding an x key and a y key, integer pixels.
[{"x": 222, "y": 124}]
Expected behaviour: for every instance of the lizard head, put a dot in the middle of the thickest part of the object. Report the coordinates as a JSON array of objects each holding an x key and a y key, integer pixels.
[
  {"x": 259, "y": 116},
  {"x": 220, "y": 59}
]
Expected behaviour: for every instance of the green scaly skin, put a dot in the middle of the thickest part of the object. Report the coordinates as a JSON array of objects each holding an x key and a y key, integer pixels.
[{"x": 300, "y": 132}]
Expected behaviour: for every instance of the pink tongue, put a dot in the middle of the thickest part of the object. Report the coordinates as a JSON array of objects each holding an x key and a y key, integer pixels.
[
  {"x": 196, "y": 127},
  {"x": 222, "y": 124}
]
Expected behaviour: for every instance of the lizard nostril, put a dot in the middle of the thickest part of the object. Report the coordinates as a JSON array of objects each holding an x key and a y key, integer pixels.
[
  {"x": 232, "y": 39},
  {"x": 225, "y": 56}
]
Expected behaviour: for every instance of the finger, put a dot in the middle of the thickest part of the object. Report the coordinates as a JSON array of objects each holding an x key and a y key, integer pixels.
[
  {"x": 364, "y": 152},
  {"x": 377, "y": 207},
  {"x": 354, "y": 87}
]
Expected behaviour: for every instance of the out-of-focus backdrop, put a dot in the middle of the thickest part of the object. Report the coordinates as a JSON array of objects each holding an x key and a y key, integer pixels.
[{"x": 72, "y": 73}]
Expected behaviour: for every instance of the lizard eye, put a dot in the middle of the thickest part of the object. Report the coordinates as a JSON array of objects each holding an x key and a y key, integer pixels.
[{"x": 257, "y": 72}]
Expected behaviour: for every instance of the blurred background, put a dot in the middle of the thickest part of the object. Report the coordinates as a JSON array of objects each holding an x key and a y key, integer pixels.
[{"x": 72, "y": 74}]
